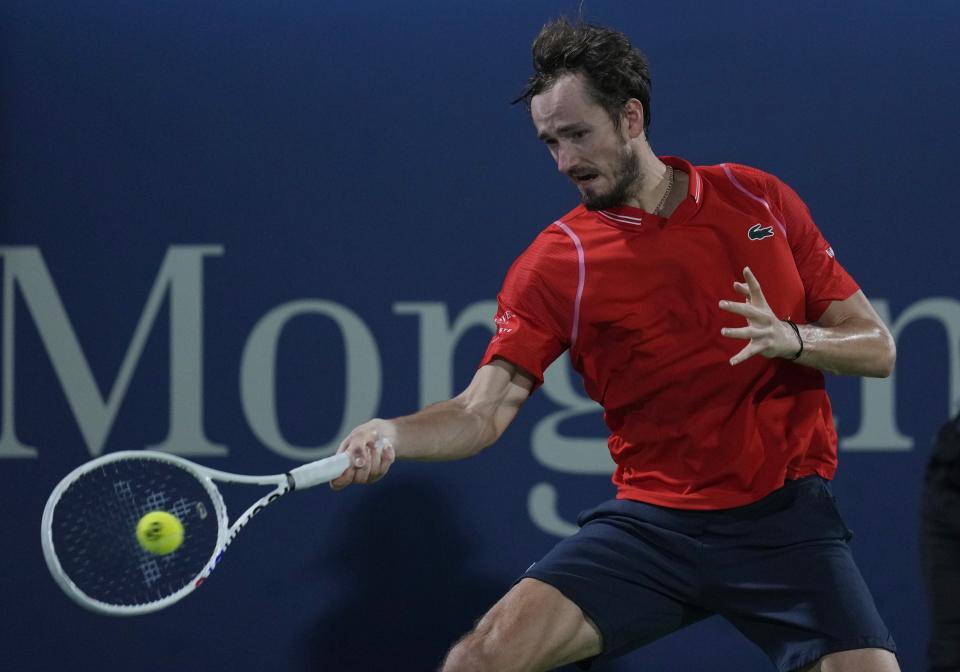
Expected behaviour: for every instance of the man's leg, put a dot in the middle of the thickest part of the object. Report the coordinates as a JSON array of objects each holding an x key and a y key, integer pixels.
[
  {"x": 533, "y": 627},
  {"x": 782, "y": 572},
  {"x": 859, "y": 660}
]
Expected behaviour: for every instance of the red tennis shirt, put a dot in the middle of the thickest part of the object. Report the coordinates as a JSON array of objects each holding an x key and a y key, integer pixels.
[{"x": 634, "y": 296}]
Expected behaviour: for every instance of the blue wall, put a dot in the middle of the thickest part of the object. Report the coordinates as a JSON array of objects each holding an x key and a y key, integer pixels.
[{"x": 340, "y": 182}]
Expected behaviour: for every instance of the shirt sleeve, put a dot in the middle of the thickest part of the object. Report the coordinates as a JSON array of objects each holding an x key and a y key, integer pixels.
[
  {"x": 534, "y": 311},
  {"x": 824, "y": 279}
]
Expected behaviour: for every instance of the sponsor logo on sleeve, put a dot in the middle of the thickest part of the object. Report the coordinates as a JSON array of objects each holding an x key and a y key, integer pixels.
[{"x": 506, "y": 322}]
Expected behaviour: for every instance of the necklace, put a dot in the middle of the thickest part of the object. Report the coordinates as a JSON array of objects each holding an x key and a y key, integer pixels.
[{"x": 666, "y": 192}]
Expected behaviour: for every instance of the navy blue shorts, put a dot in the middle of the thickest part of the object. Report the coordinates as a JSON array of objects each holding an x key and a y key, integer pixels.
[{"x": 779, "y": 570}]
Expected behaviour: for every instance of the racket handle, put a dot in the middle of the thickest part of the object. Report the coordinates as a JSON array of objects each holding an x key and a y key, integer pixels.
[{"x": 321, "y": 471}]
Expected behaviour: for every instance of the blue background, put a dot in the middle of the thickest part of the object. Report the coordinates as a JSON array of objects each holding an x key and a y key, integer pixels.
[{"x": 366, "y": 154}]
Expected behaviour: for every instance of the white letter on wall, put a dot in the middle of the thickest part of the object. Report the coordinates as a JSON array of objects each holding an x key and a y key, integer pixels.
[
  {"x": 258, "y": 375},
  {"x": 438, "y": 341},
  {"x": 878, "y": 407}
]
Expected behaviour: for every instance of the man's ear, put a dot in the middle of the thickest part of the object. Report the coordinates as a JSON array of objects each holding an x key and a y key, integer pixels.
[{"x": 633, "y": 118}]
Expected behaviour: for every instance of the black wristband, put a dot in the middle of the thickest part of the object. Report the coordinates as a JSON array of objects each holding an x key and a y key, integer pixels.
[{"x": 796, "y": 330}]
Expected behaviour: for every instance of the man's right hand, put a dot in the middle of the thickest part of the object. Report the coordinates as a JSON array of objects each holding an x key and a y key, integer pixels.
[{"x": 371, "y": 453}]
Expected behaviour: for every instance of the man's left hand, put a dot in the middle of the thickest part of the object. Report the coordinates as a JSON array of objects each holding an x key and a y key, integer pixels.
[{"x": 768, "y": 335}]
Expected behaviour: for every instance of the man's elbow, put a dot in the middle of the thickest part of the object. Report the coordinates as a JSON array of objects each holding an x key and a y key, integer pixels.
[{"x": 887, "y": 357}]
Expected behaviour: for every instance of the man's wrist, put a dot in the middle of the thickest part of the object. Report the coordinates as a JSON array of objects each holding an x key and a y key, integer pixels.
[{"x": 796, "y": 330}]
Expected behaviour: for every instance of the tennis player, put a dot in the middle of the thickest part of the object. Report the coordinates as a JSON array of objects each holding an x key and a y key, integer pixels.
[{"x": 701, "y": 305}]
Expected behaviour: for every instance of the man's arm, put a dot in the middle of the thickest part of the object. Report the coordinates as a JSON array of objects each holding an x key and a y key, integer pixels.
[
  {"x": 849, "y": 338},
  {"x": 447, "y": 430}
]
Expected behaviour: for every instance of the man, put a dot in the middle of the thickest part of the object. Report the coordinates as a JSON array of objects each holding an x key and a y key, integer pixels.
[{"x": 711, "y": 386}]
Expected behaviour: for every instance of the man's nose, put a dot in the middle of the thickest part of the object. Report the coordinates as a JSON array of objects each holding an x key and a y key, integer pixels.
[{"x": 566, "y": 159}]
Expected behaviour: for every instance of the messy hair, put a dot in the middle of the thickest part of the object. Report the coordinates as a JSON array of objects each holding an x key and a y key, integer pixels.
[{"x": 613, "y": 70}]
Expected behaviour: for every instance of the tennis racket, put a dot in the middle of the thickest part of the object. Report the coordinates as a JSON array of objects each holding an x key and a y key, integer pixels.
[{"x": 88, "y": 530}]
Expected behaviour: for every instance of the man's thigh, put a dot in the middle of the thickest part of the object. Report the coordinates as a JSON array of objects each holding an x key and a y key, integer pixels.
[
  {"x": 782, "y": 572},
  {"x": 631, "y": 570}
]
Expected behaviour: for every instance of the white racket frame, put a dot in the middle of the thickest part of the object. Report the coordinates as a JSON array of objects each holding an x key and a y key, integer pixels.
[{"x": 300, "y": 478}]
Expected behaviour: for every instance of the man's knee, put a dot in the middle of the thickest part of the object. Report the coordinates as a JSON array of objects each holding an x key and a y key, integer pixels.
[
  {"x": 534, "y": 627},
  {"x": 858, "y": 660},
  {"x": 476, "y": 652}
]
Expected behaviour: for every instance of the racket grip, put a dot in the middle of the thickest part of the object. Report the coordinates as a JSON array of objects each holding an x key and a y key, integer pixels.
[{"x": 321, "y": 471}]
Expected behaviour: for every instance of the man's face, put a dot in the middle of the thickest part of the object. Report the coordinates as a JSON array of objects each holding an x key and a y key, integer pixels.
[{"x": 583, "y": 141}]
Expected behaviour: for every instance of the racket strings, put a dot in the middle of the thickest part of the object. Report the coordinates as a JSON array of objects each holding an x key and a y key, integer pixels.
[{"x": 94, "y": 531}]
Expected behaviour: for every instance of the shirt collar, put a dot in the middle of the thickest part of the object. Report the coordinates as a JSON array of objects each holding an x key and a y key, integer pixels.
[{"x": 626, "y": 216}]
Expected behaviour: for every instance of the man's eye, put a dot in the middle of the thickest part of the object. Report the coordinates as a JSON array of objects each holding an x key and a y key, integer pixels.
[{"x": 578, "y": 135}]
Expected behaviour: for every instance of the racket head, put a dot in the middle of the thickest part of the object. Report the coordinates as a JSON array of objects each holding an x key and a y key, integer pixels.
[{"x": 88, "y": 531}]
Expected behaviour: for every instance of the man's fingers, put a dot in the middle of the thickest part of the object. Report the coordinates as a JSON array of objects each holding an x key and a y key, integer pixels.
[
  {"x": 358, "y": 459},
  {"x": 756, "y": 294},
  {"x": 374, "y": 456},
  {"x": 758, "y": 315},
  {"x": 749, "y": 351},
  {"x": 358, "y": 456},
  {"x": 344, "y": 479},
  {"x": 745, "y": 333},
  {"x": 370, "y": 457},
  {"x": 363, "y": 461},
  {"x": 390, "y": 453},
  {"x": 747, "y": 310},
  {"x": 387, "y": 456}
]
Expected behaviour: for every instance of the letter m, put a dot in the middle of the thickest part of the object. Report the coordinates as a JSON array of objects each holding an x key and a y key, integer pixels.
[{"x": 180, "y": 275}]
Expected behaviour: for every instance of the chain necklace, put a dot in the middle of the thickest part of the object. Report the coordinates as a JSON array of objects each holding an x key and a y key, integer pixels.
[{"x": 666, "y": 193}]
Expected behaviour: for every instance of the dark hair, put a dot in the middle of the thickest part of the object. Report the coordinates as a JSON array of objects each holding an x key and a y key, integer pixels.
[{"x": 614, "y": 70}]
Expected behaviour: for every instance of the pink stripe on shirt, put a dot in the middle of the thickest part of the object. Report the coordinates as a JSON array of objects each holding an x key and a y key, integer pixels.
[
  {"x": 583, "y": 272},
  {"x": 736, "y": 183}
]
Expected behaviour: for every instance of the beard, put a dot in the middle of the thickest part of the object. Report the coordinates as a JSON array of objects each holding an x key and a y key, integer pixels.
[{"x": 626, "y": 181}]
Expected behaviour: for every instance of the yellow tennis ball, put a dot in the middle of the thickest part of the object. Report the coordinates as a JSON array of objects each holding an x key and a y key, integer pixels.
[{"x": 160, "y": 532}]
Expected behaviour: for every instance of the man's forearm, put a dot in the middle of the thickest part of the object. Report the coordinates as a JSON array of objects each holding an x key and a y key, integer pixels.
[
  {"x": 447, "y": 430},
  {"x": 856, "y": 347}
]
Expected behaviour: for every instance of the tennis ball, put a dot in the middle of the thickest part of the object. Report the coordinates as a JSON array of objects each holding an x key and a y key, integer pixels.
[{"x": 160, "y": 532}]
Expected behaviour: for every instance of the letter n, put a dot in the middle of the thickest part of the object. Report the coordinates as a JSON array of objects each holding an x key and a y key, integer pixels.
[{"x": 878, "y": 407}]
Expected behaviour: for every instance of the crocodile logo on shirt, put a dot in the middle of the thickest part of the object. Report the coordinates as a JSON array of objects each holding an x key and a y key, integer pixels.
[{"x": 759, "y": 232}]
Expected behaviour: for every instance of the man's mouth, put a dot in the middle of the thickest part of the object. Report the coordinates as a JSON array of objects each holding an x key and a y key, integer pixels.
[{"x": 584, "y": 179}]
